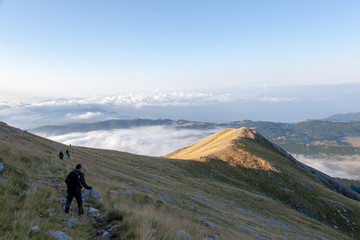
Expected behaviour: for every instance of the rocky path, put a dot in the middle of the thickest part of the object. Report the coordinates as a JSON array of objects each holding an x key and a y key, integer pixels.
[{"x": 103, "y": 229}]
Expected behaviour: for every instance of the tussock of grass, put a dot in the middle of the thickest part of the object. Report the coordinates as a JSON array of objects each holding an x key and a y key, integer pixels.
[{"x": 113, "y": 214}]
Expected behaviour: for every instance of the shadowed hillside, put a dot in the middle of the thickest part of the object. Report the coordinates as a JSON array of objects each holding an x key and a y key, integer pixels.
[{"x": 161, "y": 198}]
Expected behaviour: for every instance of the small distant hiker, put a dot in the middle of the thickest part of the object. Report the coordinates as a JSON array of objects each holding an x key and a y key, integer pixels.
[
  {"x": 68, "y": 153},
  {"x": 75, "y": 181},
  {"x": 61, "y": 155}
]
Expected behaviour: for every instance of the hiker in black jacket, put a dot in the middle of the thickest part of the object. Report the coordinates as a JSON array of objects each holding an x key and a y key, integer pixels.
[
  {"x": 61, "y": 155},
  {"x": 75, "y": 181}
]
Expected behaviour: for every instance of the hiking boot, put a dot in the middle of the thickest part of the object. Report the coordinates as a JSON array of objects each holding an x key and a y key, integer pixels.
[
  {"x": 67, "y": 208},
  {"x": 81, "y": 211}
]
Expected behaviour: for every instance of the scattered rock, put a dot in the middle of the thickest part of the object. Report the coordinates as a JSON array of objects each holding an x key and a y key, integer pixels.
[
  {"x": 35, "y": 229},
  {"x": 215, "y": 237},
  {"x": 127, "y": 192},
  {"x": 210, "y": 225},
  {"x": 105, "y": 234},
  {"x": 59, "y": 235},
  {"x": 86, "y": 169},
  {"x": 93, "y": 210},
  {"x": 1, "y": 167},
  {"x": 181, "y": 234},
  {"x": 94, "y": 195},
  {"x": 44, "y": 182},
  {"x": 166, "y": 199},
  {"x": 113, "y": 227},
  {"x": 69, "y": 223},
  {"x": 22, "y": 193}
]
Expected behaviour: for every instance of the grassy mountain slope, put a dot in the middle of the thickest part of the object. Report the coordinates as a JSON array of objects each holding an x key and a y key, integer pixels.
[
  {"x": 285, "y": 179},
  {"x": 205, "y": 199}
]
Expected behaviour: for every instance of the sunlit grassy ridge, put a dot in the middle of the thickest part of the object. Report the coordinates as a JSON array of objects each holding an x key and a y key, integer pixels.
[{"x": 205, "y": 199}]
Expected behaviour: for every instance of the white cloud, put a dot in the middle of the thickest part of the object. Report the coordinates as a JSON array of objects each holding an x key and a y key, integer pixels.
[
  {"x": 334, "y": 165},
  {"x": 87, "y": 115},
  {"x": 277, "y": 99},
  {"x": 153, "y": 141}
]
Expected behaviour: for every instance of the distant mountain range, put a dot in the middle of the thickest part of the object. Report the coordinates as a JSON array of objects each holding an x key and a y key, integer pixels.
[
  {"x": 308, "y": 137},
  {"x": 348, "y": 117}
]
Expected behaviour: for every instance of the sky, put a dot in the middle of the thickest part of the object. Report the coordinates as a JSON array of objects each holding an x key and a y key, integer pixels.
[
  {"x": 55, "y": 49},
  {"x": 212, "y": 61}
]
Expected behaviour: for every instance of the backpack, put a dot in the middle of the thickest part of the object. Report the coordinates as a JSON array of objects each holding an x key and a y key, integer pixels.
[{"x": 73, "y": 181}]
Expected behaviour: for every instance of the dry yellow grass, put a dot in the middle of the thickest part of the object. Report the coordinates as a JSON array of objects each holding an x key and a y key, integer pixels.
[
  {"x": 226, "y": 146},
  {"x": 354, "y": 141}
]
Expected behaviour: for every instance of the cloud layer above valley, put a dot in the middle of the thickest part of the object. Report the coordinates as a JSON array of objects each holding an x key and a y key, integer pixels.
[
  {"x": 159, "y": 140},
  {"x": 278, "y": 104},
  {"x": 334, "y": 165},
  {"x": 153, "y": 141}
]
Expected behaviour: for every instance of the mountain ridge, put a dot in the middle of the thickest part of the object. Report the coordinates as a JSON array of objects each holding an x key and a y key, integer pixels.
[{"x": 208, "y": 199}]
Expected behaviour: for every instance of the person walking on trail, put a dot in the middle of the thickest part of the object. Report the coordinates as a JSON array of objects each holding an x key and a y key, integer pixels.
[
  {"x": 75, "y": 181},
  {"x": 68, "y": 153},
  {"x": 61, "y": 155}
]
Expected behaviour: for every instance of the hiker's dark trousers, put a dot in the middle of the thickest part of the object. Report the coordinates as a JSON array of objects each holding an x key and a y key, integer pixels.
[{"x": 78, "y": 197}]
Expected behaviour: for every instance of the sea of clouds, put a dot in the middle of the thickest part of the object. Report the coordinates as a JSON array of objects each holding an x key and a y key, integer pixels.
[
  {"x": 153, "y": 141},
  {"x": 334, "y": 165},
  {"x": 159, "y": 140}
]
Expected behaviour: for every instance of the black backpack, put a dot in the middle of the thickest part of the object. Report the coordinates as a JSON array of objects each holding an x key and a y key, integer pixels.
[{"x": 73, "y": 181}]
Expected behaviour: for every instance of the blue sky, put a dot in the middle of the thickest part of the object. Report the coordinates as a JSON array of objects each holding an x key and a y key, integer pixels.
[
  {"x": 238, "y": 52},
  {"x": 90, "y": 47}
]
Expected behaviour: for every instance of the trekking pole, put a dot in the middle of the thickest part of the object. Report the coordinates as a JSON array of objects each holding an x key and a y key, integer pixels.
[{"x": 89, "y": 202}]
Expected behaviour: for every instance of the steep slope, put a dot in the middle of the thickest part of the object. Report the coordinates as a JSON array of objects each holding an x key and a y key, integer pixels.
[
  {"x": 224, "y": 146},
  {"x": 301, "y": 187},
  {"x": 163, "y": 198}
]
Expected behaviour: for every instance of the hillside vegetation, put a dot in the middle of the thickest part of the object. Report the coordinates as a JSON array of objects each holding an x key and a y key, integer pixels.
[
  {"x": 160, "y": 198},
  {"x": 348, "y": 117}
]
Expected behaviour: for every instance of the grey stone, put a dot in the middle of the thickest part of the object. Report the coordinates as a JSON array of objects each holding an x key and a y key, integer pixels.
[
  {"x": 210, "y": 225},
  {"x": 105, "y": 234},
  {"x": 127, "y": 192},
  {"x": 166, "y": 199},
  {"x": 59, "y": 235},
  {"x": 1, "y": 167},
  {"x": 22, "y": 193},
  {"x": 94, "y": 195},
  {"x": 35, "y": 229},
  {"x": 69, "y": 223},
  {"x": 181, "y": 234},
  {"x": 93, "y": 210}
]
